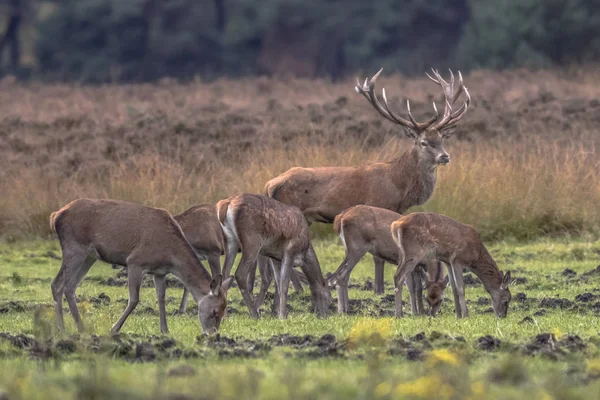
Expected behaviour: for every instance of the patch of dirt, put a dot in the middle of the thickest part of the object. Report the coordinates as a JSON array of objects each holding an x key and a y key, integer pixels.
[
  {"x": 471, "y": 280},
  {"x": 13, "y": 306},
  {"x": 568, "y": 272},
  {"x": 184, "y": 370},
  {"x": 487, "y": 343},
  {"x": 586, "y": 297},
  {"x": 21, "y": 341},
  {"x": 520, "y": 297},
  {"x": 101, "y": 300},
  {"x": 540, "y": 313},
  {"x": 527, "y": 320},
  {"x": 520, "y": 280},
  {"x": 548, "y": 346},
  {"x": 556, "y": 302},
  {"x": 593, "y": 272}
]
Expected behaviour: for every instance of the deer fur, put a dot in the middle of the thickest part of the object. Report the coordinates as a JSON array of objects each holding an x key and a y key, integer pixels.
[
  {"x": 365, "y": 229},
  {"x": 420, "y": 235},
  {"x": 202, "y": 229},
  {"x": 261, "y": 226},
  {"x": 146, "y": 240}
]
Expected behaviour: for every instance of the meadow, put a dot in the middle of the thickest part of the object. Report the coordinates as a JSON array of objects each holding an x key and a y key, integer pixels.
[{"x": 524, "y": 172}]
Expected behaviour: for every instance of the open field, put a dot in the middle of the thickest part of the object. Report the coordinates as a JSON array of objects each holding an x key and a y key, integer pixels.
[
  {"x": 546, "y": 348},
  {"x": 524, "y": 159},
  {"x": 524, "y": 171}
]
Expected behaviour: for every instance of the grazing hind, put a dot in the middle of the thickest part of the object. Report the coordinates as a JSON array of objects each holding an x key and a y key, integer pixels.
[{"x": 146, "y": 240}]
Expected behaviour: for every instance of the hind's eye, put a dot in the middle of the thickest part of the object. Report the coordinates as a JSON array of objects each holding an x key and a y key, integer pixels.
[{"x": 424, "y": 144}]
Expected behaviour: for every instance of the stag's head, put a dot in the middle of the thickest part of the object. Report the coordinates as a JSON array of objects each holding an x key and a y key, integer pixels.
[
  {"x": 428, "y": 136},
  {"x": 211, "y": 308}
]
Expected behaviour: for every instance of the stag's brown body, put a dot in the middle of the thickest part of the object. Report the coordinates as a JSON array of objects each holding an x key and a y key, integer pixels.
[
  {"x": 146, "y": 240},
  {"x": 365, "y": 229},
  {"x": 261, "y": 226},
  {"x": 322, "y": 193},
  {"x": 419, "y": 235}
]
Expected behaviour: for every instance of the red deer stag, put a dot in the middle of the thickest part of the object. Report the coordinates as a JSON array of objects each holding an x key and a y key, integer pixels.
[
  {"x": 261, "y": 226},
  {"x": 365, "y": 229},
  {"x": 419, "y": 235},
  {"x": 409, "y": 180},
  {"x": 146, "y": 240}
]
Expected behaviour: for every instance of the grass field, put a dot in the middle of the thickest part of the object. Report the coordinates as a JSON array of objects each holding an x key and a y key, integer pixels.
[{"x": 546, "y": 348}]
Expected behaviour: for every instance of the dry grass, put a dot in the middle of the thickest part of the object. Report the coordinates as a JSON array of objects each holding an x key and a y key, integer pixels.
[{"x": 524, "y": 160}]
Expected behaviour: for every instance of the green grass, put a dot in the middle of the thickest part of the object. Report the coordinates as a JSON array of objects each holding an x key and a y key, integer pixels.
[{"x": 365, "y": 370}]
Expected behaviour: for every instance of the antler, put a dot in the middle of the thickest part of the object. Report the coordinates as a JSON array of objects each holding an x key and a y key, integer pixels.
[
  {"x": 368, "y": 90},
  {"x": 450, "y": 119}
]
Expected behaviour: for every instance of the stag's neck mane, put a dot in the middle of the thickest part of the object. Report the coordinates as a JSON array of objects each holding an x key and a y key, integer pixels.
[{"x": 414, "y": 177}]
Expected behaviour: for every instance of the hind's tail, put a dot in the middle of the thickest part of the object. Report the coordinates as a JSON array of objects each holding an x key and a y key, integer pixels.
[
  {"x": 54, "y": 219},
  {"x": 337, "y": 222},
  {"x": 397, "y": 235},
  {"x": 222, "y": 207}
]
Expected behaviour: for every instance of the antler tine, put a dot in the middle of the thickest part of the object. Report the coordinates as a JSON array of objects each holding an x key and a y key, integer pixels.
[
  {"x": 451, "y": 118},
  {"x": 368, "y": 90}
]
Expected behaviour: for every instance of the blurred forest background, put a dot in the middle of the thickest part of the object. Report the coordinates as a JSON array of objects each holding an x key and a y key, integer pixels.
[{"x": 96, "y": 41}]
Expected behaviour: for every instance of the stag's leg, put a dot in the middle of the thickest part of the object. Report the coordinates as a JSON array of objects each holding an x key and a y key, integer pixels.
[
  {"x": 400, "y": 276},
  {"x": 460, "y": 287},
  {"x": 135, "y": 276},
  {"x": 457, "y": 308},
  {"x": 161, "y": 290},
  {"x": 73, "y": 279},
  {"x": 184, "y": 301},
  {"x": 320, "y": 293},
  {"x": 379, "y": 286}
]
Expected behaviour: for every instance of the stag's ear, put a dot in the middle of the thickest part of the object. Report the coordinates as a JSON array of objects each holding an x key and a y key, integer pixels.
[
  {"x": 506, "y": 280},
  {"x": 448, "y": 132},
  {"x": 411, "y": 133},
  {"x": 215, "y": 285}
]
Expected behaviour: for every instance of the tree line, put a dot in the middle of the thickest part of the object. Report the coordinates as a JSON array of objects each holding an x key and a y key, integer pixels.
[{"x": 143, "y": 40}]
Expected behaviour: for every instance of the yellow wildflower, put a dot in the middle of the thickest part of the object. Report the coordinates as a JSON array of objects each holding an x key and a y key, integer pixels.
[
  {"x": 371, "y": 332},
  {"x": 478, "y": 388},
  {"x": 546, "y": 396},
  {"x": 593, "y": 366},
  {"x": 383, "y": 389},
  {"x": 426, "y": 387},
  {"x": 442, "y": 356},
  {"x": 557, "y": 333}
]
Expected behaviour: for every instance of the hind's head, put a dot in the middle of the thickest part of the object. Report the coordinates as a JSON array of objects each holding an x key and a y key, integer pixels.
[{"x": 211, "y": 308}]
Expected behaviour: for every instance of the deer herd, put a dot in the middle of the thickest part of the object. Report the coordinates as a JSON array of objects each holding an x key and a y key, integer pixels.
[{"x": 272, "y": 232}]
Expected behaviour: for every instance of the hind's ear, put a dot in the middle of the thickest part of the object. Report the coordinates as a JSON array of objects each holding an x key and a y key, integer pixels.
[
  {"x": 227, "y": 283},
  {"x": 215, "y": 285},
  {"x": 446, "y": 280},
  {"x": 506, "y": 280}
]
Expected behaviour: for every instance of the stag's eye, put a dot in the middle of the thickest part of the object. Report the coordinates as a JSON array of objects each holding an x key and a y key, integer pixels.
[{"x": 424, "y": 144}]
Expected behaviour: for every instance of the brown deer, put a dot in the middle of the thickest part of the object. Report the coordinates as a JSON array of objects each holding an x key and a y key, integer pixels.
[
  {"x": 146, "y": 240},
  {"x": 202, "y": 229},
  {"x": 409, "y": 180},
  {"x": 261, "y": 226},
  {"x": 419, "y": 235},
  {"x": 365, "y": 229}
]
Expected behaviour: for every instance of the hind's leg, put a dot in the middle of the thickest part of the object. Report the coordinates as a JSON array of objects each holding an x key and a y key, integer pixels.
[
  {"x": 184, "y": 301},
  {"x": 73, "y": 278},
  {"x": 379, "y": 285},
  {"x": 161, "y": 290},
  {"x": 135, "y": 276},
  {"x": 266, "y": 276}
]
